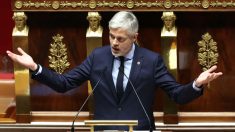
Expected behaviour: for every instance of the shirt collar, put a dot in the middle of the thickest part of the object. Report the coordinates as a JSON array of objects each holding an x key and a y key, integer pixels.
[{"x": 130, "y": 54}]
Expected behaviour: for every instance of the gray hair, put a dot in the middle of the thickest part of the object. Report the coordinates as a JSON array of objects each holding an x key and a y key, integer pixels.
[{"x": 125, "y": 20}]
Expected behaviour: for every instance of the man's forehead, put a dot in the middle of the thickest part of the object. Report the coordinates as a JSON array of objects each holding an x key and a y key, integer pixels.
[{"x": 118, "y": 31}]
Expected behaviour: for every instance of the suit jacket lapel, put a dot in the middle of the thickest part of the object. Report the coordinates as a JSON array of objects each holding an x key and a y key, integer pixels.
[{"x": 134, "y": 74}]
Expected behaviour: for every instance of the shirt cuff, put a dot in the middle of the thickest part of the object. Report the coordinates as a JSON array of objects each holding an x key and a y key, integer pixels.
[
  {"x": 37, "y": 71},
  {"x": 196, "y": 88}
]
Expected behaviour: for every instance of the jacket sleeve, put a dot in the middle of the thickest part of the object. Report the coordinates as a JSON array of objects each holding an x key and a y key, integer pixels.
[
  {"x": 66, "y": 81},
  {"x": 179, "y": 93}
]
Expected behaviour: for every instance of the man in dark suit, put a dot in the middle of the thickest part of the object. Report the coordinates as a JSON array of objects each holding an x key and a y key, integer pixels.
[{"x": 114, "y": 95}]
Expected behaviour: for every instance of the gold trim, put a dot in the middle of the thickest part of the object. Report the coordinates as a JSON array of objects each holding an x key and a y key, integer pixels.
[
  {"x": 55, "y": 5},
  {"x": 93, "y": 123},
  {"x": 205, "y": 4},
  {"x": 18, "y": 4},
  {"x": 207, "y": 53},
  {"x": 167, "y": 4},
  {"x": 111, "y": 4},
  {"x": 22, "y": 87},
  {"x": 92, "y": 4},
  {"x": 130, "y": 4},
  {"x": 29, "y": 4},
  {"x": 223, "y": 4},
  {"x": 58, "y": 59},
  {"x": 74, "y": 4}
]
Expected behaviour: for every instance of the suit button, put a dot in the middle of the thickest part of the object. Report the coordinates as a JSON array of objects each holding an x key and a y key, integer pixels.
[{"x": 119, "y": 109}]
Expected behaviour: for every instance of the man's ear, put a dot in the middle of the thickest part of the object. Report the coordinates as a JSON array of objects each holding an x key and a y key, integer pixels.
[{"x": 136, "y": 36}]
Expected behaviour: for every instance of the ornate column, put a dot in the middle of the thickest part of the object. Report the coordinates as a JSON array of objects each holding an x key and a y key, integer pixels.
[
  {"x": 22, "y": 78},
  {"x": 93, "y": 40},
  {"x": 169, "y": 53}
]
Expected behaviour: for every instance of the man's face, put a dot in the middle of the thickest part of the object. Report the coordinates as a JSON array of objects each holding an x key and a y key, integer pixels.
[{"x": 120, "y": 41}]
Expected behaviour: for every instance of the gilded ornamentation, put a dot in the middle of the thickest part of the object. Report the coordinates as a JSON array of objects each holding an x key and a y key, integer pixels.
[
  {"x": 18, "y": 4},
  {"x": 169, "y": 28},
  {"x": 205, "y": 4},
  {"x": 186, "y": 4},
  {"x": 29, "y": 4},
  {"x": 55, "y": 5},
  {"x": 111, "y": 4},
  {"x": 21, "y": 28},
  {"x": 92, "y": 4},
  {"x": 58, "y": 55},
  {"x": 74, "y": 4},
  {"x": 222, "y": 4},
  {"x": 167, "y": 4},
  {"x": 149, "y": 4},
  {"x": 37, "y": 4},
  {"x": 94, "y": 29},
  {"x": 130, "y": 4},
  {"x": 207, "y": 54}
]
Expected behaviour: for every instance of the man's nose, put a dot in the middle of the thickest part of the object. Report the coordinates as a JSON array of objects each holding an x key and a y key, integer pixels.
[{"x": 115, "y": 42}]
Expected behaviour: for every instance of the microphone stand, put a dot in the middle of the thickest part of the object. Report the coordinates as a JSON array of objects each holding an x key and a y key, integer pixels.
[
  {"x": 76, "y": 116},
  {"x": 138, "y": 98}
]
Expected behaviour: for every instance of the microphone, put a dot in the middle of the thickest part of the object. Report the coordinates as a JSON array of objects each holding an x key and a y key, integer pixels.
[
  {"x": 76, "y": 116},
  {"x": 139, "y": 100}
]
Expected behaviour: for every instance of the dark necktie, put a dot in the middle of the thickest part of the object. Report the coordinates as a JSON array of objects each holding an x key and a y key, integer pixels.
[{"x": 119, "y": 85}]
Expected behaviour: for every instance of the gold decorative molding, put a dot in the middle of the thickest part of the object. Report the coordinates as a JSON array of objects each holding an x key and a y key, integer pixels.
[
  {"x": 207, "y": 54},
  {"x": 205, "y": 4},
  {"x": 223, "y": 4},
  {"x": 58, "y": 55},
  {"x": 129, "y": 4}
]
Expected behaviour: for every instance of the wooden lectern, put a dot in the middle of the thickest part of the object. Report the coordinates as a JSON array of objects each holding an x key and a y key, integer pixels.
[{"x": 93, "y": 123}]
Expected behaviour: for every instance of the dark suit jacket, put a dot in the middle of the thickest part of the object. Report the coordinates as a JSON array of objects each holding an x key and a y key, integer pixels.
[{"x": 147, "y": 73}]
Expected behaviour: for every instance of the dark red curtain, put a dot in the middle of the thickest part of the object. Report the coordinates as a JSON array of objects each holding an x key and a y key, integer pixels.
[{"x": 6, "y": 26}]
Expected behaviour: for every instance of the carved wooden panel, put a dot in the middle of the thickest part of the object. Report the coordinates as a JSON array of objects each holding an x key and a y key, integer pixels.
[
  {"x": 134, "y": 5},
  {"x": 191, "y": 26},
  {"x": 72, "y": 27}
]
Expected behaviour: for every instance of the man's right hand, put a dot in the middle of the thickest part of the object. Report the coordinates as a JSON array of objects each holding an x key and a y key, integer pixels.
[{"x": 23, "y": 59}]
